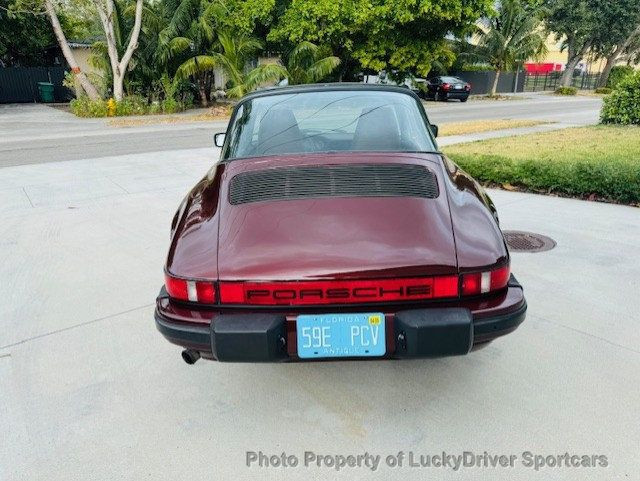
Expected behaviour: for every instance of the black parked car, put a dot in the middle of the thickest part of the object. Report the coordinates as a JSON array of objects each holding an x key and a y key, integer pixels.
[{"x": 444, "y": 88}]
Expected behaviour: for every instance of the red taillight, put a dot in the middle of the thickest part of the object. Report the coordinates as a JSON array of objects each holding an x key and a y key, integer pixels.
[
  {"x": 176, "y": 288},
  {"x": 445, "y": 286},
  {"x": 476, "y": 283},
  {"x": 446, "y": 86},
  {"x": 206, "y": 292},
  {"x": 338, "y": 292},
  {"x": 500, "y": 278},
  {"x": 471, "y": 283},
  {"x": 190, "y": 290}
]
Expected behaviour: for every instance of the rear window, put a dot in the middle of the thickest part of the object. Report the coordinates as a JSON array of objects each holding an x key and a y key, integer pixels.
[{"x": 327, "y": 121}]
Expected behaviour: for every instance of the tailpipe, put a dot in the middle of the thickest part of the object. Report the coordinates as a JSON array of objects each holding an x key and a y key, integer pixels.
[{"x": 190, "y": 356}]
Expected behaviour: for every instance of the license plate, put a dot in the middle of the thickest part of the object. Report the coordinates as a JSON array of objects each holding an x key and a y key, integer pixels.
[
  {"x": 341, "y": 335},
  {"x": 458, "y": 87}
]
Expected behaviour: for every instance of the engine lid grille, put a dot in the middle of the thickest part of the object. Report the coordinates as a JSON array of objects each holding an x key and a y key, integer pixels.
[{"x": 357, "y": 180}]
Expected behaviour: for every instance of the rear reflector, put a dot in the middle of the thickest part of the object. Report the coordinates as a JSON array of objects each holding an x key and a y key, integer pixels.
[
  {"x": 338, "y": 292},
  {"x": 476, "y": 283},
  {"x": 190, "y": 290}
]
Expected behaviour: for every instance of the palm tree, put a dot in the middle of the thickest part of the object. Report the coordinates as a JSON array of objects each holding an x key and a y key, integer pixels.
[
  {"x": 514, "y": 36},
  {"x": 190, "y": 34},
  {"x": 231, "y": 54},
  {"x": 307, "y": 64}
]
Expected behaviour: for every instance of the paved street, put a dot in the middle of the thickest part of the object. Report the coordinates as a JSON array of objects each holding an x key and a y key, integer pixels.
[
  {"x": 90, "y": 390},
  {"x": 31, "y": 134}
]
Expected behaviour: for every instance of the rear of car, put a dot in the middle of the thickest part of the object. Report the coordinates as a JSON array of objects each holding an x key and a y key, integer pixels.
[
  {"x": 248, "y": 331},
  {"x": 445, "y": 88},
  {"x": 331, "y": 229}
]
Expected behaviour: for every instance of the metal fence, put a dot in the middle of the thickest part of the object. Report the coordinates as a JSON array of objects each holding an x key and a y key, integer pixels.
[
  {"x": 482, "y": 81},
  {"x": 20, "y": 84},
  {"x": 551, "y": 81}
]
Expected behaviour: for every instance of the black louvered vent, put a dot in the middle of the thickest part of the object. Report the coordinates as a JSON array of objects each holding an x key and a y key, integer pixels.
[{"x": 357, "y": 180}]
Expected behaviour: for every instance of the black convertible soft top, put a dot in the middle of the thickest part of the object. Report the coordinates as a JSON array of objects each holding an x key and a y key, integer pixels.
[{"x": 335, "y": 86}]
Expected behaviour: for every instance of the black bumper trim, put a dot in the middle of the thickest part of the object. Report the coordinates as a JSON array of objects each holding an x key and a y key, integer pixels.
[
  {"x": 253, "y": 338},
  {"x": 433, "y": 332},
  {"x": 499, "y": 325},
  {"x": 182, "y": 333}
]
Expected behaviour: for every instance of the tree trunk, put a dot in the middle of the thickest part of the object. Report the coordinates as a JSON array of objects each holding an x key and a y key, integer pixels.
[
  {"x": 118, "y": 86},
  {"x": 87, "y": 86},
  {"x": 131, "y": 47},
  {"x": 604, "y": 76},
  {"x": 118, "y": 66},
  {"x": 574, "y": 58},
  {"x": 611, "y": 59},
  {"x": 494, "y": 87},
  {"x": 202, "y": 89},
  {"x": 208, "y": 81}
]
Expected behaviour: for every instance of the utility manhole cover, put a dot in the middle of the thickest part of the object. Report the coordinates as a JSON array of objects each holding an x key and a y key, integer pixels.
[{"x": 519, "y": 241}]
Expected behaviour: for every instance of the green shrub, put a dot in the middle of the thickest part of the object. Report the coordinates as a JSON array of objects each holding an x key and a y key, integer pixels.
[
  {"x": 478, "y": 67},
  {"x": 603, "y": 90},
  {"x": 85, "y": 107},
  {"x": 187, "y": 100},
  {"x": 131, "y": 105},
  {"x": 171, "y": 106},
  {"x": 155, "y": 108},
  {"x": 623, "y": 105},
  {"x": 566, "y": 91},
  {"x": 618, "y": 74},
  {"x": 79, "y": 106}
]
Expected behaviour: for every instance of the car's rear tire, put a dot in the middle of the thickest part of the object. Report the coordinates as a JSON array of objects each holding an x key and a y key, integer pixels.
[{"x": 464, "y": 99}]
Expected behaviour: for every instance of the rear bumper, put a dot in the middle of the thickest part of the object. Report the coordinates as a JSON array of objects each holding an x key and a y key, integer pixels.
[
  {"x": 456, "y": 94},
  {"x": 418, "y": 332}
]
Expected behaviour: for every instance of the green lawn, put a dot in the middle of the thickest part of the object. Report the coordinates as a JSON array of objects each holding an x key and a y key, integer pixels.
[{"x": 588, "y": 162}]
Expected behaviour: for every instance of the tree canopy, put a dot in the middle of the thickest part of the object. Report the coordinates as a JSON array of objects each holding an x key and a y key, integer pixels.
[
  {"x": 23, "y": 38},
  {"x": 183, "y": 42},
  {"x": 590, "y": 26},
  {"x": 400, "y": 37}
]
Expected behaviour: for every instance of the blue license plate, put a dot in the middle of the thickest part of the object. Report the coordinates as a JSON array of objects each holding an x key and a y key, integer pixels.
[{"x": 341, "y": 335}]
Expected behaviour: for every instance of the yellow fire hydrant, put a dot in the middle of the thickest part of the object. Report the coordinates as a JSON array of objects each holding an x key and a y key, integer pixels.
[{"x": 111, "y": 107}]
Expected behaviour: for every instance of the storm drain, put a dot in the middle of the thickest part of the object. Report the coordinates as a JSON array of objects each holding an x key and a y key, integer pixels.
[{"x": 519, "y": 241}]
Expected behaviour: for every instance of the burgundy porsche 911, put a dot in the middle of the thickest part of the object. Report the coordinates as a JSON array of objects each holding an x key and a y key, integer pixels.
[{"x": 333, "y": 228}]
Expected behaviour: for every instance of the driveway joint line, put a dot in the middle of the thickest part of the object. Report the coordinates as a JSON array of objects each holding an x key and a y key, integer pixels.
[
  {"x": 81, "y": 324},
  {"x": 28, "y": 198},
  {"x": 117, "y": 185},
  {"x": 586, "y": 334}
]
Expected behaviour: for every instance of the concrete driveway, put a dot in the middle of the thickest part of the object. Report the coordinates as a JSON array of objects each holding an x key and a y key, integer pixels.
[{"x": 91, "y": 391}]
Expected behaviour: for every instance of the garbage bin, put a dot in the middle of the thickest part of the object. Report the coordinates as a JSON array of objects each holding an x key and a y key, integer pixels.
[{"x": 46, "y": 91}]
